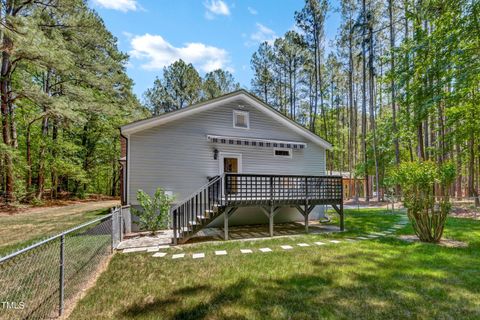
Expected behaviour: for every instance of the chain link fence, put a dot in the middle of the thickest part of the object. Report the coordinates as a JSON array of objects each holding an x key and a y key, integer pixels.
[{"x": 37, "y": 282}]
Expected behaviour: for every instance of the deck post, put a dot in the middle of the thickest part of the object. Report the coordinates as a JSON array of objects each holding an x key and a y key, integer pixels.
[
  {"x": 225, "y": 224},
  {"x": 306, "y": 219},
  {"x": 342, "y": 222},
  {"x": 270, "y": 220},
  {"x": 306, "y": 205},
  {"x": 175, "y": 235}
]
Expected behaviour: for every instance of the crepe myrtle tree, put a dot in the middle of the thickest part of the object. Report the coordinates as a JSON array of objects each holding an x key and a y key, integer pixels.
[
  {"x": 420, "y": 181},
  {"x": 155, "y": 213}
]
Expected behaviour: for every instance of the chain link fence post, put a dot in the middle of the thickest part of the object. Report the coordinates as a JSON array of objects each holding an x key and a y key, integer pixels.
[{"x": 62, "y": 275}]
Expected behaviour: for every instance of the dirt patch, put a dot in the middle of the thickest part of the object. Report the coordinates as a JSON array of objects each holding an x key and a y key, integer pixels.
[
  {"x": 449, "y": 243},
  {"x": 466, "y": 212},
  {"x": 22, "y": 208},
  {"x": 75, "y": 205},
  {"x": 372, "y": 203},
  {"x": 71, "y": 303}
]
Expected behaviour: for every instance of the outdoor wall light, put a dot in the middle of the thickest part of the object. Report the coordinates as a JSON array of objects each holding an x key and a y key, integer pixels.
[{"x": 215, "y": 154}]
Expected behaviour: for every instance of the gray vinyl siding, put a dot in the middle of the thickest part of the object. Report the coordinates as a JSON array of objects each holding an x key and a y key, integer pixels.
[{"x": 178, "y": 157}]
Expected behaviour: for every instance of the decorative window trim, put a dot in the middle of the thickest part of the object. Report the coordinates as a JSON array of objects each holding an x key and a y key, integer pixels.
[
  {"x": 290, "y": 153},
  {"x": 247, "y": 117}
]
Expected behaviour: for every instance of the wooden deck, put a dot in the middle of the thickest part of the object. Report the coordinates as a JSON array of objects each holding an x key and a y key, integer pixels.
[{"x": 225, "y": 194}]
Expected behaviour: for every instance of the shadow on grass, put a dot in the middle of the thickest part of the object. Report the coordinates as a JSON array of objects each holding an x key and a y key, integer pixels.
[{"x": 386, "y": 278}]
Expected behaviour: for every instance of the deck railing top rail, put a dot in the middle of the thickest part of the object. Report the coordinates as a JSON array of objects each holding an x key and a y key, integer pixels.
[{"x": 282, "y": 175}]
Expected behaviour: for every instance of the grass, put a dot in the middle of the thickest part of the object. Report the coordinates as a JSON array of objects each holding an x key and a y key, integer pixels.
[
  {"x": 384, "y": 278},
  {"x": 20, "y": 230}
]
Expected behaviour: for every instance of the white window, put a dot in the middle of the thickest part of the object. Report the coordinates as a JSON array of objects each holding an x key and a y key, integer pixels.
[
  {"x": 282, "y": 153},
  {"x": 241, "y": 119}
]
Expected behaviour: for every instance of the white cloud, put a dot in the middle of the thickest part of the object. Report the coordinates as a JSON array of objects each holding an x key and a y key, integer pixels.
[
  {"x": 120, "y": 5},
  {"x": 159, "y": 53},
  {"x": 263, "y": 34},
  {"x": 216, "y": 7},
  {"x": 252, "y": 11}
]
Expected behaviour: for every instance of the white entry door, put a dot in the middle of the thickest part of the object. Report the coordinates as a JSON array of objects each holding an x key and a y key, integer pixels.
[{"x": 230, "y": 163}]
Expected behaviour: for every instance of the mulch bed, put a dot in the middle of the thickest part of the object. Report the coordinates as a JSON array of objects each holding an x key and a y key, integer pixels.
[
  {"x": 449, "y": 243},
  {"x": 462, "y": 212}
]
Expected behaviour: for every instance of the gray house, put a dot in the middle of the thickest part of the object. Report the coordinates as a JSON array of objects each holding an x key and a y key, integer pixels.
[{"x": 231, "y": 160}]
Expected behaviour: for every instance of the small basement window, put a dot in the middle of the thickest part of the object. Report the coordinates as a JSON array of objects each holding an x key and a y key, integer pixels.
[
  {"x": 241, "y": 119},
  {"x": 286, "y": 153}
]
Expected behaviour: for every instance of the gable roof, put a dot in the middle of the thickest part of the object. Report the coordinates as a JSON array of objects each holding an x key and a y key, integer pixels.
[{"x": 141, "y": 125}]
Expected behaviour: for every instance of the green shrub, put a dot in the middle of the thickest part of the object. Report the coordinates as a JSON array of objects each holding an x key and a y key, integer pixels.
[
  {"x": 418, "y": 182},
  {"x": 155, "y": 211}
]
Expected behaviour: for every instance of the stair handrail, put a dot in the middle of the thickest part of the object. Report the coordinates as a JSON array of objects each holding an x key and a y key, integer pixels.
[{"x": 193, "y": 194}]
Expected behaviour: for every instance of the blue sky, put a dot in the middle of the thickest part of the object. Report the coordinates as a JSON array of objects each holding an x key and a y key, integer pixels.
[{"x": 208, "y": 33}]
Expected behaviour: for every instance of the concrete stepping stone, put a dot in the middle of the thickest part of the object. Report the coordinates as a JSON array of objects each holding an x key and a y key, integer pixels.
[
  {"x": 130, "y": 250},
  {"x": 153, "y": 249},
  {"x": 351, "y": 240},
  {"x": 335, "y": 241},
  {"x": 265, "y": 250},
  {"x": 198, "y": 255},
  {"x": 372, "y": 236},
  {"x": 159, "y": 254},
  {"x": 362, "y": 238},
  {"x": 320, "y": 243},
  {"x": 379, "y": 233},
  {"x": 287, "y": 247},
  {"x": 246, "y": 251},
  {"x": 178, "y": 256},
  {"x": 165, "y": 246},
  {"x": 221, "y": 253},
  {"x": 303, "y": 245}
]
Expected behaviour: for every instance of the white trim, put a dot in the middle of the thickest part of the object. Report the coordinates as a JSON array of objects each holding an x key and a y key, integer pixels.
[
  {"x": 247, "y": 118},
  {"x": 171, "y": 116},
  {"x": 211, "y": 136},
  {"x": 290, "y": 153},
  {"x": 223, "y": 155},
  {"x": 153, "y": 122}
]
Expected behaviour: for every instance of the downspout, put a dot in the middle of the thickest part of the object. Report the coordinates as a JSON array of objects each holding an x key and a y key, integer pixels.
[{"x": 125, "y": 169}]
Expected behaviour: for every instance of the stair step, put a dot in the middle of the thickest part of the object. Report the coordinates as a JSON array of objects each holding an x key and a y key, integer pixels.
[
  {"x": 186, "y": 229},
  {"x": 193, "y": 223}
]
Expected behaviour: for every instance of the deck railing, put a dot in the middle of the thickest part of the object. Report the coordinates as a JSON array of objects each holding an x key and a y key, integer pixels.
[
  {"x": 237, "y": 190},
  {"x": 197, "y": 208},
  {"x": 259, "y": 189}
]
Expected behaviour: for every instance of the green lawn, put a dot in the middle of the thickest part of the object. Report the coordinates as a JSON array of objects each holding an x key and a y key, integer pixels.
[
  {"x": 22, "y": 229},
  {"x": 384, "y": 278}
]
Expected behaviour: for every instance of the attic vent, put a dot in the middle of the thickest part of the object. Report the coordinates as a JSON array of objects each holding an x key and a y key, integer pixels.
[{"x": 241, "y": 119}]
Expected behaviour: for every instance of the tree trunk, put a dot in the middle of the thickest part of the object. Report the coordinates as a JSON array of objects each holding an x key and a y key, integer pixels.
[
  {"x": 41, "y": 159},
  {"x": 54, "y": 175},
  {"x": 392, "y": 83},
  {"x": 364, "y": 105},
  {"x": 458, "y": 188},
  {"x": 5, "y": 101},
  {"x": 372, "y": 106},
  {"x": 472, "y": 192},
  {"x": 43, "y": 142}
]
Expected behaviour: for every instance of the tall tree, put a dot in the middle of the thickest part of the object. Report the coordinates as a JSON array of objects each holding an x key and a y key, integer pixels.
[
  {"x": 311, "y": 19},
  {"x": 219, "y": 82},
  {"x": 179, "y": 87},
  {"x": 262, "y": 64}
]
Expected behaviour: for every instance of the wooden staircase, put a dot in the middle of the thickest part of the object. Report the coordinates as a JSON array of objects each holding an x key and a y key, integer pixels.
[{"x": 198, "y": 210}]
